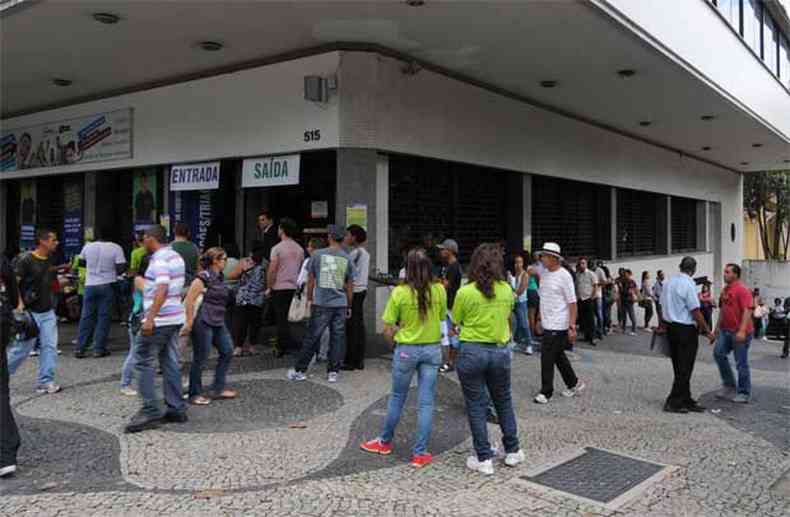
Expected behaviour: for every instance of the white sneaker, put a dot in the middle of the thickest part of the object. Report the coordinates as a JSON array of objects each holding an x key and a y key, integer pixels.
[
  {"x": 293, "y": 375},
  {"x": 484, "y": 467},
  {"x": 331, "y": 377},
  {"x": 741, "y": 398},
  {"x": 529, "y": 350},
  {"x": 572, "y": 392},
  {"x": 34, "y": 353},
  {"x": 60, "y": 352},
  {"x": 514, "y": 458},
  {"x": 48, "y": 389},
  {"x": 632, "y": 333},
  {"x": 129, "y": 392},
  {"x": 7, "y": 471},
  {"x": 540, "y": 398},
  {"x": 726, "y": 393}
]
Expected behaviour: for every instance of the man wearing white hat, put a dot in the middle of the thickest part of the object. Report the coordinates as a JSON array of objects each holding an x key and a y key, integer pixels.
[{"x": 558, "y": 316}]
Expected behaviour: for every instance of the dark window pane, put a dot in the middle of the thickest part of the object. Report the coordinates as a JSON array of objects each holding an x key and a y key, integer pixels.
[
  {"x": 641, "y": 223},
  {"x": 684, "y": 225}
]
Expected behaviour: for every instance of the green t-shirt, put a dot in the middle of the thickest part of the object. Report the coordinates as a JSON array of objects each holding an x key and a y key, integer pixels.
[
  {"x": 191, "y": 254},
  {"x": 403, "y": 310},
  {"x": 137, "y": 257},
  {"x": 484, "y": 320}
]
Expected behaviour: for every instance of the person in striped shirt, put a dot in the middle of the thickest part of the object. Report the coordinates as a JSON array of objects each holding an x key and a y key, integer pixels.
[{"x": 163, "y": 317}]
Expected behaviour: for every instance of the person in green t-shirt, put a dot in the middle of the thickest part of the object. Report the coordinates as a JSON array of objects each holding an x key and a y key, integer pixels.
[
  {"x": 137, "y": 255},
  {"x": 412, "y": 322},
  {"x": 482, "y": 310},
  {"x": 188, "y": 251}
]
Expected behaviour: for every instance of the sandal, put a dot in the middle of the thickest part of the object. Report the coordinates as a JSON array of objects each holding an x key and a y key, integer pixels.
[
  {"x": 238, "y": 352},
  {"x": 200, "y": 400},
  {"x": 226, "y": 394}
]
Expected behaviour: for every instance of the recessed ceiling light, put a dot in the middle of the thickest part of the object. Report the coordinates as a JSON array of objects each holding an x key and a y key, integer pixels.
[
  {"x": 210, "y": 46},
  {"x": 706, "y": 148},
  {"x": 626, "y": 73},
  {"x": 708, "y": 117},
  {"x": 757, "y": 145},
  {"x": 787, "y": 161},
  {"x": 645, "y": 123},
  {"x": 61, "y": 82},
  {"x": 106, "y": 18},
  {"x": 415, "y": 3},
  {"x": 744, "y": 163},
  {"x": 548, "y": 84}
]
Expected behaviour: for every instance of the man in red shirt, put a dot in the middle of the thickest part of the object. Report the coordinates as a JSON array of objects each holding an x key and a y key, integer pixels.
[{"x": 734, "y": 334}]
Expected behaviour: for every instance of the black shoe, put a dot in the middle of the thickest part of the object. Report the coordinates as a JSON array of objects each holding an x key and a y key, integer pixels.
[
  {"x": 174, "y": 417},
  {"x": 593, "y": 343},
  {"x": 142, "y": 422},
  {"x": 361, "y": 366},
  {"x": 783, "y": 356},
  {"x": 80, "y": 355},
  {"x": 670, "y": 409},
  {"x": 98, "y": 355},
  {"x": 347, "y": 367},
  {"x": 695, "y": 408}
]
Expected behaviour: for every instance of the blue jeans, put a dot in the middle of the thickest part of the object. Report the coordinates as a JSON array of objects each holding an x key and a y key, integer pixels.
[
  {"x": 726, "y": 344},
  {"x": 48, "y": 338},
  {"x": 163, "y": 343},
  {"x": 482, "y": 366},
  {"x": 425, "y": 360},
  {"x": 203, "y": 336},
  {"x": 599, "y": 319},
  {"x": 127, "y": 372},
  {"x": 522, "y": 335},
  {"x": 95, "y": 319},
  {"x": 322, "y": 318}
]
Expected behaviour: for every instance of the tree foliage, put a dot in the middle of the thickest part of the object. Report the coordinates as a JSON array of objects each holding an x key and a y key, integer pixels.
[{"x": 766, "y": 199}]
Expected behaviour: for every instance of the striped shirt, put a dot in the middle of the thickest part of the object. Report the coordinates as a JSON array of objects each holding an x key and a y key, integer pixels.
[{"x": 166, "y": 268}]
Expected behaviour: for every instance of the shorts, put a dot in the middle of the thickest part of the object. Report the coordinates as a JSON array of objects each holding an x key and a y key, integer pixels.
[
  {"x": 533, "y": 299},
  {"x": 447, "y": 339}
]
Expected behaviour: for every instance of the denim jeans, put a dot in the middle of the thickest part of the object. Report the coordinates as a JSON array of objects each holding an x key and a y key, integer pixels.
[
  {"x": 48, "y": 338},
  {"x": 407, "y": 359},
  {"x": 163, "y": 343},
  {"x": 322, "y": 318},
  {"x": 95, "y": 319},
  {"x": 9, "y": 434},
  {"x": 203, "y": 336},
  {"x": 522, "y": 334},
  {"x": 600, "y": 322},
  {"x": 127, "y": 372},
  {"x": 726, "y": 344},
  {"x": 482, "y": 366}
]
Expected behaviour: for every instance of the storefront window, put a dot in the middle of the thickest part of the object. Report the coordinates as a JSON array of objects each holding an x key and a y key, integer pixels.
[{"x": 751, "y": 24}]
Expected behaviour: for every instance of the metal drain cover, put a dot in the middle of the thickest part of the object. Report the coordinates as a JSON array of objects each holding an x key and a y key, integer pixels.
[{"x": 597, "y": 475}]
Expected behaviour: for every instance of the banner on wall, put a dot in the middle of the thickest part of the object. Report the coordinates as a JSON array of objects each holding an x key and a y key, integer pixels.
[
  {"x": 145, "y": 197},
  {"x": 193, "y": 208},
  {"x": 194, "y": 176},
  {"x": 270, "y": 171},
  {"x": 72, "y": 218},
  {"x": 27, "y": 215},
  {"x": 93, "y": 138}
]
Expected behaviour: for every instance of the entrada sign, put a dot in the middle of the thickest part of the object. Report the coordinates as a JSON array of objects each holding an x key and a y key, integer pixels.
[
  {"x": 194, "y": 176},
  {"x": 271, "y": 171}
]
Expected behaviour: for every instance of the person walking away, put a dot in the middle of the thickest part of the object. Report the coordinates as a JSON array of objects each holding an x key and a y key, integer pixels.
[
  {"x": 330, "y": 290},
  {"x": 35, "y": 272},
  {"x": 646, "y": 298},
  {"x": 519, "y": 282},
  {"x": 681, "y": 307},
  {"x": 450, "y": 274},
  {"x": 248, "y": 311},
  {"x": 658, "y": 288},
  {"x": 706, "y": 304},
  {"x": 412, "y": 322},
  {"x": 586, "y": 289},
  {"x": 163, "y": 317},
  {"x": 283, "y": 271},
  {"x": 135, "y": 324},
  {"x": 355, "y": 239},
  {"x": 733, "y": 334},
  {"x": 206, "y": 326},
  {"x": 188, "y": 250},
  {"x": 104, "y": 261},
  {"x": 558, "y": 311},
  {"x": 482, "y": 309},
  {"x": 629, "y": 295},
  {"x": 9, "y": 433}
]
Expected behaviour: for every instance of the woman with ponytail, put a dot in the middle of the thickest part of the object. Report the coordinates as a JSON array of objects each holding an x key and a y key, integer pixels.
[{"x": 412, "y": 322}]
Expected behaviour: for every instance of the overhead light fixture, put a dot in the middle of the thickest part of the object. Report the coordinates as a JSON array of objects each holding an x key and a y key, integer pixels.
[
  {"x": 210, "y": 46},
  {"x": 787, "y": 161},
  {"x": 415, "y": 3},
  {"x": 626, "y": 73},
  {"x": 757, "y": 145},
  {"x": 61, "y": 82},
  {"x": 645, "y": 123},
  {"x": 706, "y": 148},
  {"x": 744, "y": 163},
  {"x": 548, "y": 84},
  {"x": 708, "y": 117},
  {"x": 106, "y": 18}
]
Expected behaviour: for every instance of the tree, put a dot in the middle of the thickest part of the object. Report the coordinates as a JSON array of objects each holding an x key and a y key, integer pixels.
[{"x": 766, "y": 199}]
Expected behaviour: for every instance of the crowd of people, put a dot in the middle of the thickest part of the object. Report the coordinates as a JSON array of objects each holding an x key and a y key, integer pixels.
[{"x": 438, "y": 319}]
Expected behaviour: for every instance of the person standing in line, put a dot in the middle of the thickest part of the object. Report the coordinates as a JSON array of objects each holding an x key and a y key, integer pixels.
[
  {"x": 680, "y": 304},
  {"x": 558, "y": 312},
  {"x": 266, "y": 232},
  {"x": 519, "y": 282},
  {"x": 608, "y": 289},
  {"x": 135, "y": 324},
  {"x": 286, "y": 259},
  {"x": 628, "y": 293},
  {"x": 35, "y": 272},
  {"x": 188, "y": 250},
  {"x": 450, "y": 274},
  {"x": 9, "y": 433},
  {"x": 248, "y": 311},
  {"x": 482, "y": 309},
  {"x": 231, "y": 281},
  {"x": 207, "y": 328},
  {"x": 163, "y": 318},
  {"x": 734, "y": 335},
  {"x": 658, "y": 288},
  {"x": 313, "y": 245},
  {"x": 355, "y": 239},
  {"x": 600, "y": 321},
  {"x": 706, "y": 304},
  {"x": 757, "y": 316},
  {"x": 104, "y": 261},
  {"x": 330, "y": 284},
  {"x": 646, "y": 298},
  {"x": 533, "y": 298},
  {"x": 586, "y": 290},
  {"x": 412, "y": 322}
]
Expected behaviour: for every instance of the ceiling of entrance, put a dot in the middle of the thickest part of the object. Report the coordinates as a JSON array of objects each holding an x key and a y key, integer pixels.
[{"x": 512, "y": 46}]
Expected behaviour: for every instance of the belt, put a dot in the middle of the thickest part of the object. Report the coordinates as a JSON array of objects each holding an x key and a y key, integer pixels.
[{"x": 555, "y": 332}]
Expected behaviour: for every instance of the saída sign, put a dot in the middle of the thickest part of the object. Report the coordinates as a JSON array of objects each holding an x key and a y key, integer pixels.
[{"x": 270, "y": 171}]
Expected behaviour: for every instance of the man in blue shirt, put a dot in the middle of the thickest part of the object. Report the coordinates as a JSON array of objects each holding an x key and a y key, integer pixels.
[{"x": 681, "y": 308}]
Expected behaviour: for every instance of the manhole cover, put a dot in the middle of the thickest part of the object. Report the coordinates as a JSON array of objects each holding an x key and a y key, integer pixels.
[{"x": 597, "y": 475}]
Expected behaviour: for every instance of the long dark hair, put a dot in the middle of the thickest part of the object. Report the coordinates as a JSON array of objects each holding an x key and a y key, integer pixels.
[
  {"x": 419, "y": 276},
  {"x": 487, "y": 268}
]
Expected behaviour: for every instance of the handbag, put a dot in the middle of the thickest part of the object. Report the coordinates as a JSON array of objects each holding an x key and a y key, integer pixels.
[{"x": 299, "y": 310}]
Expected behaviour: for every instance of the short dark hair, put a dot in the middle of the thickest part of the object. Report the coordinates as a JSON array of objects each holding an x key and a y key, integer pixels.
[
  {"x": 317, "y": 243},
  {"x": 735, "y": 269},
  {"x": 157, "y": 232},
  {"x": 181, "y": 230},
  {"x": 359, "y": 233},
  {"x": 688, "y": 265},
  {"x": 265, "y": 212},
  {"x": 288, "y": 226},
  {"x": 42, "y": 234}
]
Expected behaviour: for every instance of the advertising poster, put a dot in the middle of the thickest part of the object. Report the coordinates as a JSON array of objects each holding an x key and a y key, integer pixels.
[
  {"x": 27, "y": 216},
  {"x": 357, "y": 214},
  {"x": 145, "y": 197},
  {"x": 93, "y": 138},
  {"x": 72, "y": 218},
  {"x": 193, "y": 208}
]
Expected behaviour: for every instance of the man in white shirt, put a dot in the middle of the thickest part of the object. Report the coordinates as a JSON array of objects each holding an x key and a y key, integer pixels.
[
  {"x": 558, "y": 316},
  {"x": 103, "y": 261},
  {"x": 356, "y": 236},
  {"x": 586, "y": 292}
]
